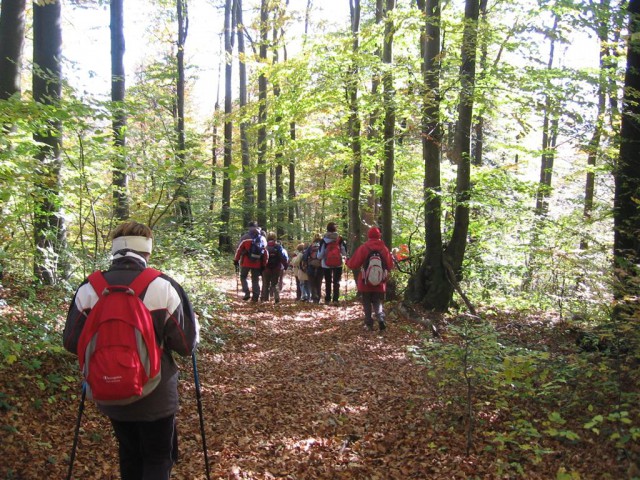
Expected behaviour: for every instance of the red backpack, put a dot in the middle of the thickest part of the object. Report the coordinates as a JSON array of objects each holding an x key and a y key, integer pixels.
[
  {"x": 333, "y": 255},
  {"x": 117, "y": 349}
]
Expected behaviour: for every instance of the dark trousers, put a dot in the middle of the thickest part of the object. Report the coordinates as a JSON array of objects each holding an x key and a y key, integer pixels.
[
  {"x": 315, "y": 282},
  {"x": 332, "y": 277},
  {"x": 270, "y": 285},
  {"x": 147, "y": 450},
  {"x": 255, "y": 282},
  {"x": 372, "y": 304}
]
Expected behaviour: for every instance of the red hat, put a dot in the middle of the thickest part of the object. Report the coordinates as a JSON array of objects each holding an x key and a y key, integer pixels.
[{"x": 374, "y": 233}]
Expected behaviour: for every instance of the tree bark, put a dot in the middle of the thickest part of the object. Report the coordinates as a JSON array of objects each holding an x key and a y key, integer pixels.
[
  {"x": 224, "y": 240},
  {"x": 248, "y": 201},
  {"x": 12, "y": 24},
  {"x": 455, "y": 251},
  {"x": 262, "y": 115},
  {"x": 429, "y": 286},
  {"x": 49, "y": 231},
  {"x": 389, "y": 128},
  {"x": 119, "y": 123},
  {"x": 355, "y": 237},
  {"x": 627, "y": 180}
]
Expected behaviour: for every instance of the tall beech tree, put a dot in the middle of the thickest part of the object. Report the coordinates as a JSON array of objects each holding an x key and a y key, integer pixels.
[
  {"x": 429, "y": 285},
  {"x": 12, "y": 24},
  {"x": 626, "y": 215},
  {"x": 119, "y": 122},
  {"x": 354, "y": 130},
  {"x": 248, "y": 199},
  {"x": 48, "y": 223},
  {"x": 389, "y": 126},
  {"x": 262, "y": 113},
  {"x": 182, "y": 192},
  {"x": 224, "y": 239}
]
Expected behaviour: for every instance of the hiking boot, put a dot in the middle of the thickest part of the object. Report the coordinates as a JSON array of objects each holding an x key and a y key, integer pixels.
[
  {"x": 246, "y": 297},
  {"x": 382, "y": 325}
]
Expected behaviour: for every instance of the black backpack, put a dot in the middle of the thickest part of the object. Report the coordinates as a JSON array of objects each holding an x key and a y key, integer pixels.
[
  {"x": 275, "y": 256},
  {"x": 257, "y": 248}
]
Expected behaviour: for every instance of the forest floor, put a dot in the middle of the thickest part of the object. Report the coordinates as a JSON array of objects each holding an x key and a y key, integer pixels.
[{"x": 293, "y": 391}]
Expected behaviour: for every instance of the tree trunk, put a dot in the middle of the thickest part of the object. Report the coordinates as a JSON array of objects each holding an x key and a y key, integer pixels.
[
  {"x": 626, "y": 212},
  {"x": 248, "y": 200},
  {"x": 454, "y": 254},
  {"x": 12, "y": 24},
  {"x": 389, "y": 128},
  {"x": 429, "y": 286},
  {"x": 292, "y": 178},
  {"x": 184, "y": 198},
  {"x": 49, "y": 232},
  {"x": 355, "y": 237},
  {"x": 548, "y": 143},
  {"x": 224, "y": 242},
  {"x": 119, "y": 123},
  {"x": 262, "y": 115}
]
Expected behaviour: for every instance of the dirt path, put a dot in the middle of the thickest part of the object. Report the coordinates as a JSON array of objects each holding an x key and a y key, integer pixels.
[{"x": 303, "y": 391}]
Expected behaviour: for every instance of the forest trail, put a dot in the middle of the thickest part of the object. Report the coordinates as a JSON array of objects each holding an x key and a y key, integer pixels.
[{"x": 302, "y": 390}]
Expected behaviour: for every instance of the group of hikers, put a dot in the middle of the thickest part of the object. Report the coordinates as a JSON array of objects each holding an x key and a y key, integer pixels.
[
  {"x": 126, "y": 323},
  {"x": 260, "y": 254}
]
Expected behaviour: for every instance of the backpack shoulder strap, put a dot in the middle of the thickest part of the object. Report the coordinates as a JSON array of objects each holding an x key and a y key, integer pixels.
[
  {"x": 143, "y": 280},
  {"x": 98, "y": 282}
]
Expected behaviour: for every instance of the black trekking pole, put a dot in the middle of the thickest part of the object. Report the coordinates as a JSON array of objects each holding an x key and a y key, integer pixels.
[
  {"x": 199, "y": 399},
  {"x": 75, "y": 435}
]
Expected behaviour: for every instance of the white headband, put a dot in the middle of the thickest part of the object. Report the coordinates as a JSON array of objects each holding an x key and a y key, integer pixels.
[{"x": 135, "y": 243}]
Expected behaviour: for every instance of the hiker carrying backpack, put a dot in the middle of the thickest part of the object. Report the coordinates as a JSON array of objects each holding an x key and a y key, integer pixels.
[
  {"x": 277, "y": 262},
  {"x": 251, "y": 258},
  {"x": 332, "y": 251},
  {"x": 374, "y": 258},
  {"x": 143, "y": 423}
]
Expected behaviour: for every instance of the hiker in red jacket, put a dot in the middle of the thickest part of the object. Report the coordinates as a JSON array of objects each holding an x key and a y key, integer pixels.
[
  {"x": 251, "y": 256},
  {"x": 372, "y": 291}
]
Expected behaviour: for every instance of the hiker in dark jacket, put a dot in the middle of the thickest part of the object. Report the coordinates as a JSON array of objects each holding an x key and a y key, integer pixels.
[
  {"x": 372, "y": 295},
  {"x": 277, "y": 263},
  {"x": 332, "y": 252},
  {"x": 248, "y": 264},
  {"x": 145, "y": 429},
  {"x": 312, "y": 265}
]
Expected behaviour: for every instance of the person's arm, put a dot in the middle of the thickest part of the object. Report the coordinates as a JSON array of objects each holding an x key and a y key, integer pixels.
[
  {"x": 181, "y": 328},
  {"x": 84, "y": 298}
]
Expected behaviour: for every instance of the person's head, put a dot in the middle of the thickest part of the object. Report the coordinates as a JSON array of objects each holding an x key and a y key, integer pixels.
[
  {"x": 252, "y": 224},
  {"x": 331, "y": 227},
  {"x": 132, "y": 236},
  {"x": 301, "y": 247},
  {"x": 374, "y": 233},
  {"x": 271, "y": 236},
  {"x": 317, "y": 237}
]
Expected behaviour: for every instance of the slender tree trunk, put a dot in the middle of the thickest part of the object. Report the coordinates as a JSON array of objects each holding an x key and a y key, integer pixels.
[
  {"x": 372, "y": 215},
  {"x": 248, "y": 201},
  {"x": 225, "y": 212},
  {"x": 548, "y": 144},
  {"x": 478, "y": 126},
  {"x": 12, "y": 24},
  {"x": 389, "y": 127},
  {"x": 119, "y": 123},
  {"x": 594, "y": 143},
  {"x": 184, "y": 198},
  {"x": 454, "y": 254},
  {"x": 626, "y": 213},
  {"x": 49, "y": 231},
  {"x": 293, "y": 207},
  {"x": 355, "y": 238},
  {"x": 262, "y": 115}
]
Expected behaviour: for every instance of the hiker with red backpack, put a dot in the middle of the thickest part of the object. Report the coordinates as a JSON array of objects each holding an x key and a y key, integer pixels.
[
  {"x": 277, "y": 263},
  {"x": 251, "y": 257},
  {"x": 332, "y": 252},
  {"x": 124, "y": 324},
  {"x": 374, "y": 261}
]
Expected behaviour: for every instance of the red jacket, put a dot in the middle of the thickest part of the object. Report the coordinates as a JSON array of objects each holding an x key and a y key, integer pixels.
[
  {"x": 243, "y": 256},
  {"x": 358, "y": 259}
]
